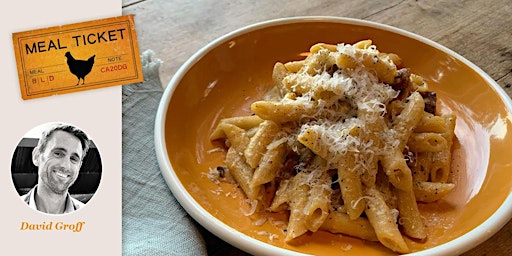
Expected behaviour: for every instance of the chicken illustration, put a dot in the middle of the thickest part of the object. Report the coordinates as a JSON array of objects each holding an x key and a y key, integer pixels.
[{"x": 79, "y": 68}]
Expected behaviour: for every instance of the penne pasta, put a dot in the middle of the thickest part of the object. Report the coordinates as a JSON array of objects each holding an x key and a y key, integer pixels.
[
  {"x": 441, "y": 161},
  {"x": 243, "y": 122},
  {"x": 278, "y": 74},
  {"x": 297, "y": 225},
  {"x": 384, "y": 68},
  {"x": 311, "y": 138},
  {"x": 395, "y": 167},
  {"x": 351, "y": 187},
  {"x": 319, "y": 61},
  {"x": 346, "y": 141},
  {"x": 363, "y": 44},
  {"x": 339, "y": 222},
  {"x": 383, "y": 222},
  {"x": 409, "y": 117},
  {"x": 269, "y": 166},
  {"x": 317, "y": 47},
  {"x": 426, "y": 142},
  {"x": 282, "y": 112},
  {"x": 439, "y": 166},
  {"x": 237, "y": 137},
  {"x": 409, "y": 215},
  {"x": 293, "y": 66},
  {"x": 431, "y": 191},
  {"x": 258, "y": 143},
  {"x": 431, "y": 123},
  {"x": 281, "y": 197},
  {"x": 319, "y": 202},
  {"x": 242, "y": 173},
  {"x": 421, "y": 167}
]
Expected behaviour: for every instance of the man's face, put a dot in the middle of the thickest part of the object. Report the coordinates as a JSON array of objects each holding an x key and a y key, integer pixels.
[{"x": 59, "y": 163}]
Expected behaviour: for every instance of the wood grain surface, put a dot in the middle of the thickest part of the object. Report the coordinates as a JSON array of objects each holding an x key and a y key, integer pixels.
[{"x": 479, "y": 30}]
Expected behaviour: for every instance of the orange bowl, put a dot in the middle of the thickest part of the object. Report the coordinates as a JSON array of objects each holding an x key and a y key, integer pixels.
[{"x": 227, "y": 75}]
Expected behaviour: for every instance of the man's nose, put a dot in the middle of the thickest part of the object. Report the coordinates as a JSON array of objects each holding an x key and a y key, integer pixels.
[{"x": 65, "y": 163}]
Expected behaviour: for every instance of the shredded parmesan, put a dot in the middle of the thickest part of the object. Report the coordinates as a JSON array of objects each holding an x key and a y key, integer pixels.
[
  {"x": 271, "y": 236},
  {"x": 253, "y": 204},
  {"x": 354, "y": 203},
  {"x": 213, "y": 150},
  {"x": 354, "y": 96}
]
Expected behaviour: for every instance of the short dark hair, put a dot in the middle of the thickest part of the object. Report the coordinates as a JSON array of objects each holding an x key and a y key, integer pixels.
[{"x": 45, "y": 136}]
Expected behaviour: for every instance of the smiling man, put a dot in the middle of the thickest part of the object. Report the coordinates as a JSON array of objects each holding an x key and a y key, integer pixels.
[{"x": 58, "y": 157}]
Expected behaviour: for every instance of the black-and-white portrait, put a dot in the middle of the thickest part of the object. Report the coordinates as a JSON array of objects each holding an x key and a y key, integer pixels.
[{"x": 56, "y": 168}]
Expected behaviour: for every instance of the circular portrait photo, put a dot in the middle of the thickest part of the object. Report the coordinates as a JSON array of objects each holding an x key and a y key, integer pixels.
[{"x": 56, "y": 168}]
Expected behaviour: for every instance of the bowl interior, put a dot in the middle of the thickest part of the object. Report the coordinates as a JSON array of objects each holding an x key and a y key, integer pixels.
[{"x": 225, "y": 80}]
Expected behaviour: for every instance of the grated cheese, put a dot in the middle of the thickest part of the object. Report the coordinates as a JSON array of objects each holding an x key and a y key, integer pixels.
[
  {"x": 345, "y": 99},
  {"x": 253, "y": 204}
]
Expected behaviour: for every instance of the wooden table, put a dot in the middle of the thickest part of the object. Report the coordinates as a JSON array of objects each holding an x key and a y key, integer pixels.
[{"x": 479, "y": 30}]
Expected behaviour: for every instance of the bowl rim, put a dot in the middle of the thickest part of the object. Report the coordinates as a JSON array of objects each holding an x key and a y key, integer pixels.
[{"x": 246, "y": 243}]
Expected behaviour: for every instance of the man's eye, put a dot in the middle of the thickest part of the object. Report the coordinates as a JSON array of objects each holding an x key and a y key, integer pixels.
[
  {"x": 75, "y": 160},
  {"x": 58, "y": 153}
]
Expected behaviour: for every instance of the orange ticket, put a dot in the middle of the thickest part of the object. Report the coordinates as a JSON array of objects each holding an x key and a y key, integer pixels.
[{"x": 76, "y": 57}]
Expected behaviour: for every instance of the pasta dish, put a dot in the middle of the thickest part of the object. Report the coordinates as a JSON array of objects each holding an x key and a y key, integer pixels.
[{"x": 346, "y": 141}]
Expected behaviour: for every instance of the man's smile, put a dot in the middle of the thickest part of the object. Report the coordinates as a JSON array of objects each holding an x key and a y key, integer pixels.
[{"x": 61, "y": 174}]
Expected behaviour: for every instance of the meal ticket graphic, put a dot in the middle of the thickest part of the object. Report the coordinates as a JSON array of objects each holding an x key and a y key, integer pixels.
[{"x": 76, "y": 57}]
